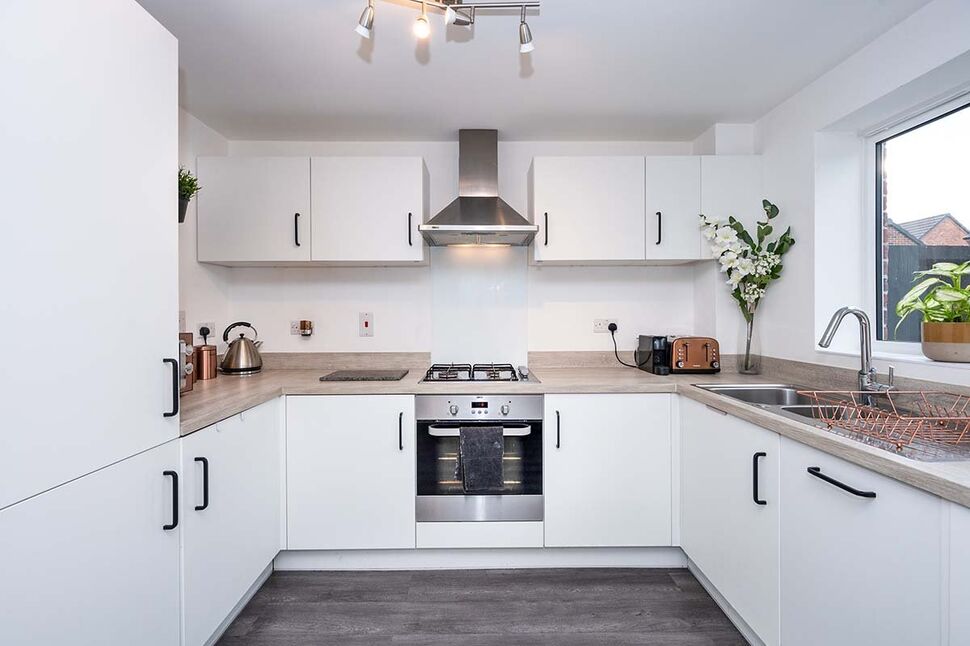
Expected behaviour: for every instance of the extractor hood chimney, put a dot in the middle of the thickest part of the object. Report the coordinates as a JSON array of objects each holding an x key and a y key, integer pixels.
[{"x": 479, "y": 216}]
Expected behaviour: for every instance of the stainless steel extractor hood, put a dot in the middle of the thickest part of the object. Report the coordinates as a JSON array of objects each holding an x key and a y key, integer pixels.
[{"x": 479, "y": 216}]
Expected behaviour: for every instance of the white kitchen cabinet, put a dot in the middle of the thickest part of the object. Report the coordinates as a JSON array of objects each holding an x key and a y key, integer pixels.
[
  {"x": 90, "y": 563},
  {"x": 732, "y": 185},
  {"x": 90, "y": 239},
  {"x": 232, "y": 502},
  {"x": 958, "y": 620},
  {"x": 607, "y": 470},
  {"x": 725, "y": 531},
  {"x": 367, "y": 209},
  {"x": 588, "y": 209},
  {"x": 856, "y": 570},
  {"x": 673, "y": 206},
  {"x": 350, "y": 472},
  {"x": 254, "y": 210}
]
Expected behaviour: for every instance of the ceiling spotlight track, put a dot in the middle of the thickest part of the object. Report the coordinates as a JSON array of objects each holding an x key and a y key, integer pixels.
[{"x": 456, "y": 12}]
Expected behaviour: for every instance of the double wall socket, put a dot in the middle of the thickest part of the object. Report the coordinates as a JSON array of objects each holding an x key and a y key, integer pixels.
[{"x": 602, "y": 326}]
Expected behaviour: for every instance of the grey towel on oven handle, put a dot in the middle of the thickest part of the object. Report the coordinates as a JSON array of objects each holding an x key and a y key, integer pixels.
[{"x": 480, "y": 453}]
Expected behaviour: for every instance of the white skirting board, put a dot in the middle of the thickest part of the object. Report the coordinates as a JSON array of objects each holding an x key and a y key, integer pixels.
[
  {"x": 466, "y": 559},
  {"x": 728, "y": 609},
  {"x": 253, "y": 589}
]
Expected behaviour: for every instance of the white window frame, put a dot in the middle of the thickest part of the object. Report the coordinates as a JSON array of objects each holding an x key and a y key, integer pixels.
[{"x": 872, "y": 138}]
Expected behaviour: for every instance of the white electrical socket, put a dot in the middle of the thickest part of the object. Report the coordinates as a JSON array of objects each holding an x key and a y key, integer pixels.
[
  {"x": 294, "y": 327},
  {"x": 366, "y": 324},
  {"x": 602, "y": 326},
  {"x": 212, "y": 329}
]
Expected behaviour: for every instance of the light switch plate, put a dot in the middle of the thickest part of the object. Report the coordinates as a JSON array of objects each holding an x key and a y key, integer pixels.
[{"x": 366, "y": 324}]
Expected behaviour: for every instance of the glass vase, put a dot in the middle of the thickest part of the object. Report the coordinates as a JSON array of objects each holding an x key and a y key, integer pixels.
[{"x": 749, "y": 349}]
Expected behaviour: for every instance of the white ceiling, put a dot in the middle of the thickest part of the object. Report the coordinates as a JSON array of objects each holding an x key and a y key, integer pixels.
[{"x": 602, "y": 69}]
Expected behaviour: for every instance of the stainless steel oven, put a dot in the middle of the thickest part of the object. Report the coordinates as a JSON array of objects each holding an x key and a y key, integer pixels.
[{"x": 440, "y": 493}]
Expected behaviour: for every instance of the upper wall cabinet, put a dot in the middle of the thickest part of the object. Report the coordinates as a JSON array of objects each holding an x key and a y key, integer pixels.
[
  {"x": 589, "y": 209},
  {"x": 367, "y": 209},
  {"x": 254, "y": 209},
  {"x": 673, "y": 198},
  {"x": 731, "y": 185}
]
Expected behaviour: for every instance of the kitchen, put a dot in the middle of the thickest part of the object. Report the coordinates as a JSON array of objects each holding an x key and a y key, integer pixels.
[{"x": 439, "y": 348}]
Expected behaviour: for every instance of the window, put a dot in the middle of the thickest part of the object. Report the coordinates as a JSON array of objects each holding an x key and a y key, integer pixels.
[{"x": 922, "y": 210}]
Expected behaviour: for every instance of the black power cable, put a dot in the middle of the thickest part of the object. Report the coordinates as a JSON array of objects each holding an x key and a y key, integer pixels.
[{"x": 612, "y": 329}]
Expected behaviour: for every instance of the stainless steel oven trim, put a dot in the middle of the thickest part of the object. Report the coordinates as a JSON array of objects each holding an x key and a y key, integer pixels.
[
  {"x": 478, "y": 508},
  {"x": 518, "y": 430}
]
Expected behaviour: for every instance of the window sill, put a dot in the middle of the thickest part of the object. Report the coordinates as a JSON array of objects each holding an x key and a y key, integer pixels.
[{"x": 895, "y": 357}]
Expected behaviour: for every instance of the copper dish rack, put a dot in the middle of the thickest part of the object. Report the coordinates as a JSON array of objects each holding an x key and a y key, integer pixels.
[{"x": 919, "y": 424}]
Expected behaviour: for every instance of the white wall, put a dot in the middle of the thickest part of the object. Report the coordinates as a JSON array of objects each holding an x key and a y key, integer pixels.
[
  {"x": 803, "y": 142},
  {"x": 430, "y": 309},
  {"x": 203, "y": 289}
]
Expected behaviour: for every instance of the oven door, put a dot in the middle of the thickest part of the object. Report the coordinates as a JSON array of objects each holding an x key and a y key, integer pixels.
[{"x": 440, "y": 495}]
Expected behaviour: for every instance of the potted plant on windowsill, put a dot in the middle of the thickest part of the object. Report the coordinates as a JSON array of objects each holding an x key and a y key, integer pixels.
[
  {"x": 188, "y": 187},
  {"x": 939, "y": 296},
  {"x": 751, "y": 263}
]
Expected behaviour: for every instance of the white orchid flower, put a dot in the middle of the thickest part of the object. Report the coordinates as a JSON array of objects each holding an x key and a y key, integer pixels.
[
  {"x": 728, "y": 260},
  {"x": 726, "y": 236},
  {"x": 709, "y": 232},
  {"x": 745, "y": 266},
  {"x": 735, "y": 278}
]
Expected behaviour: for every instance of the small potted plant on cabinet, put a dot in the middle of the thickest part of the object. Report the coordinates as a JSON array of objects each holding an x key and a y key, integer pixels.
[
  {"x": 188, "y": 187},
  {"x": 939, "y": 296}
]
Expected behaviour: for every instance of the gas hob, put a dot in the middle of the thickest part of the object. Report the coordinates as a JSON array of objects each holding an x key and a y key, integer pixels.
[{"x": 462, "y": 372}]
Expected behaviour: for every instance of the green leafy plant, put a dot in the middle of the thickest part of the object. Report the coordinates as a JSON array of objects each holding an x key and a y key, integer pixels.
[
  {"x": 938, "y": 295},
  {"x": 751, "y": 262},
  {"x": 188, "y": 184}
]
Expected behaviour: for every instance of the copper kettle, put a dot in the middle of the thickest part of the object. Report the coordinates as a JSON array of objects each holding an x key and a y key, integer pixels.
[{"x": 242, "y": 357}]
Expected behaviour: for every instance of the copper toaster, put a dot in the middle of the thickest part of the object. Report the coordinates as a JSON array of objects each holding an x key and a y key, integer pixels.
[{"x": 694, "y": 354}]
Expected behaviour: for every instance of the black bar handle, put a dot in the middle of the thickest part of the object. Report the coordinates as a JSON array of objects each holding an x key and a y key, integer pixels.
[
  {"x": 205, "y": 484},
  {"x": 400, "y": 432},
  {"x": 175, "y": 500},
  {"x": 546, "y": 243},
  {"x": 660, "y": 227},
  {"x": 176, "y": 387},
  {"x": 557, "y": 430},
  {"x": 817, "y": 472},
  {"x": 296, "y": 229},
  {"x": 754, "y": 484},
  {"x": 410, "y": 215}
]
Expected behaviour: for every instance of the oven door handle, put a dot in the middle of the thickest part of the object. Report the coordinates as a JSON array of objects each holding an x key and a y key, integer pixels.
[{"x": 518, "y": 430}]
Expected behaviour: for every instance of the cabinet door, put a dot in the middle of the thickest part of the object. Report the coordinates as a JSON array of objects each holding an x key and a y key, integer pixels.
[
  {"x": 254, "y": 209},
  {"x": 588, "y": 208},
  {"x": 673, "y": 198},
  {"x": 606, "y": 470},
  {"x": 959, "y": 586},
  {"x": 232, "y": 501},
  {"x": 732, "y": 538},
  {"x": 350, "y": 472},
  {"x": 731, "y": 185},
  {"x": 89, "y": 562},
  {"x": 90, "y": 239},
  {"x": 856, "y": 570},
  {"x": 367, "y": 209}
]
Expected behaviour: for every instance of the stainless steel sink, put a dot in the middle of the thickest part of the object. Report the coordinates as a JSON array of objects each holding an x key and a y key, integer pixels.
[
  {"x": 763, "y": 394},
  {"x": 783, "y": 400}
]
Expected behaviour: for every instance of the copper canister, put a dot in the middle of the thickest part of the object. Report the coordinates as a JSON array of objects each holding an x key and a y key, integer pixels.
[{"x": 206, "y": 362}]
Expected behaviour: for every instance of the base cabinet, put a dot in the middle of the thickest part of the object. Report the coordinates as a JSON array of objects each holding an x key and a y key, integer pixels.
[
  {"x": 89, "y": 563},
  {"x": 958, "y": 621},
  {"x": 350, "y": 472},
  {"x": 856, "y": 570},
  {"x": 232, "y": 502},
  {"x": 730, "y": 502},
  {"x": 607, "y": 470}
]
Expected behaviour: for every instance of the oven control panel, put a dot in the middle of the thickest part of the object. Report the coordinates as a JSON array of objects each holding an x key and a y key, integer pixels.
[{"x": 478, "y": 407}]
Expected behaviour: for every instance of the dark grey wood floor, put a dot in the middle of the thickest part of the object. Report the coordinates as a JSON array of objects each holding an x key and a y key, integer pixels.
[{"x": 577, "y": 607}]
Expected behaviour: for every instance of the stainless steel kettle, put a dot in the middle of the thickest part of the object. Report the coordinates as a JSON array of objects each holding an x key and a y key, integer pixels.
[{"x": 242, "y": 357}]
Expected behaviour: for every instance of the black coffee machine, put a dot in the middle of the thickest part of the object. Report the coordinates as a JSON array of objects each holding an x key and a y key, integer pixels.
[{"x": 653, "y": 354}]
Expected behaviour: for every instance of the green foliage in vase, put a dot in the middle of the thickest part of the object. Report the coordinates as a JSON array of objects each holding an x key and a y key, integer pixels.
[
  {"x": 188, "y": 184},
  {"x": 752, "y": 262}
]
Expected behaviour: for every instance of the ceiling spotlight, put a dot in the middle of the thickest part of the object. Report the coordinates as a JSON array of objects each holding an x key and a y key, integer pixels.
[
  {"x": 525, "y": 35},
  {"x": 459, "y": 19},
  {"x": 450, "y": 16},
  {"x": 422, "y": 28},
  {"x": 366, "y": 22}
]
